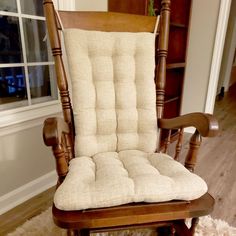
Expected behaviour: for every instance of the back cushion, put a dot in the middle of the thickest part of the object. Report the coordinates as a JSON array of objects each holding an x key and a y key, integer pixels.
[{"x": 114, "y": 98}]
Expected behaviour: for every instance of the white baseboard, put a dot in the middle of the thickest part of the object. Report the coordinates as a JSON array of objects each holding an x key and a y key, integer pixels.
[
  {"x": 27, "y": 191},
  {"x": 190, "y": 130}
]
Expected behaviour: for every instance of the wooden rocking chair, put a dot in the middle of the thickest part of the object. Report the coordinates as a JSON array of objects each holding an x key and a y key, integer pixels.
[{"x": 77, "y": 147}]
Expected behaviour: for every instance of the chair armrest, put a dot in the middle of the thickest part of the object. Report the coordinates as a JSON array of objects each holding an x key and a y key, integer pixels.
[
  {"x": 53, "y": 130},
  {"x": 206, "y": 124},
  {"x": 56, "y": 134}
]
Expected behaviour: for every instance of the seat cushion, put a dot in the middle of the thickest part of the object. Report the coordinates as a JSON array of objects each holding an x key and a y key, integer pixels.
[{"x": 111, "y": 178}]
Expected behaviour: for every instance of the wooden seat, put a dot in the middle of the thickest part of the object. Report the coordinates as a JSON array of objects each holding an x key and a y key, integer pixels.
[
  {"x": 60, "y": 133},
  {"x": 133, "y": 214}
]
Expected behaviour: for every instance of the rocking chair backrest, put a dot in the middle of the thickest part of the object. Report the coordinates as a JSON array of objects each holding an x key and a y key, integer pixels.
[{"x": 109, "y": 22}]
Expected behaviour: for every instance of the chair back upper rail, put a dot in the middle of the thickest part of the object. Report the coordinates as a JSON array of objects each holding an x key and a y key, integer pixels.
[{"x": 106, "y": 21}]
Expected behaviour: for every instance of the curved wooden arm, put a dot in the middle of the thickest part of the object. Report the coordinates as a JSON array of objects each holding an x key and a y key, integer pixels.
[
  {"x": 53, "y": 130},
  {"x": 206, "y": 124}
]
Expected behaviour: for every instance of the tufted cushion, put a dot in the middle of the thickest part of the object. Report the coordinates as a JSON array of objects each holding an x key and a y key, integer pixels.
[
  {"x": 114, "y": 105},
  {"x": 114, "y": 100},
  {"x": 111, "y": 178}
]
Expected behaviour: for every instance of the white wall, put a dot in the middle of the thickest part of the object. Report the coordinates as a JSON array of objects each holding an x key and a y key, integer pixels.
[
  {"x": 203, "y": 25},
  {"x": 91, "y": 5},
  {"x": 23, "y": 158},
  {"x": 26, "y": 164}
]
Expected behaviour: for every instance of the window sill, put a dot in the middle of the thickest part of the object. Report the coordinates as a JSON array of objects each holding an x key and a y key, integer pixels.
[{"x": 14, "y": 120}]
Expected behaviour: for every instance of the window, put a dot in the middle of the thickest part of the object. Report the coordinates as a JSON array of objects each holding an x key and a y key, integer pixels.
[{"x": 27, "y": 74}]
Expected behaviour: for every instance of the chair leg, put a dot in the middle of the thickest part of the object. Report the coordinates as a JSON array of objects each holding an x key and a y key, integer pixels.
[
  {"x": 165, "y": 230},
  {"x": 75, "y": 232},
  {"x": 84, "y": 232},
  {"x": 172, "y": 230},
  {"x": 181, "y": 229},
  {"x": 72, "y": 232},
  {"x": 194, "y": 225}
]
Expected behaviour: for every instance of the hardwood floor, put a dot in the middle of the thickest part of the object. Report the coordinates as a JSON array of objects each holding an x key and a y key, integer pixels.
[
  {"x": 217, "y": 159},
  {"x": 27, "y": 210},
  {"x": 216, "y": 164}
]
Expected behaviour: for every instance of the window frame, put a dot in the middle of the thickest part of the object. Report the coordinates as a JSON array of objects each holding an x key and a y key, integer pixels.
[{"x": 16, "y": 119}]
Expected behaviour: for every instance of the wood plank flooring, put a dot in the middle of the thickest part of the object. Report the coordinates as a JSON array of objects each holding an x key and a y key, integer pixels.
[
  {"x": 216, "y": 164},
  {"x": 27, "y": 210},
  {"x": 217, "y": 160}
]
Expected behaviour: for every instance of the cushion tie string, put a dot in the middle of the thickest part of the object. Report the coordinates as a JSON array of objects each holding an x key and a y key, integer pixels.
[{"x": 156, "y": 25}]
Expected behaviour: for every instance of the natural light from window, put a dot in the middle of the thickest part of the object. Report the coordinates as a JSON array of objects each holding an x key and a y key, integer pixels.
[{"x": 27, "y": 74}]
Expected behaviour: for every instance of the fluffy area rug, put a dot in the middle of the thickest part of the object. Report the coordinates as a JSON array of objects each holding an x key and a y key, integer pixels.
[{"x": 42, "y": 225}]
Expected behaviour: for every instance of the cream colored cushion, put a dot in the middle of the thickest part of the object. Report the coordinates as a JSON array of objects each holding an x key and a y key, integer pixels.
[
  {"x": 111, "y": 178},
  {"x": 114, "y": 107},
  {"x": 114, "y": 98}
]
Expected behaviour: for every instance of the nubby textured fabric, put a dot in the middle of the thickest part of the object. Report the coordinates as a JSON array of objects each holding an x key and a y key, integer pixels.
[
  {"x": 114, "y": 97},
  {"x": 114, "y": 103},
  {"x": 111, "y": 178}
]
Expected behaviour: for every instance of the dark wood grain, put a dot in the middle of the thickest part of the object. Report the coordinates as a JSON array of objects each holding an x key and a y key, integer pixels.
[
  {"x": 133, "y": 214},
  {"x": 107, "y": 21},
  {"x": 129, "y": 6},
  {"x": 206, "y": 124}
]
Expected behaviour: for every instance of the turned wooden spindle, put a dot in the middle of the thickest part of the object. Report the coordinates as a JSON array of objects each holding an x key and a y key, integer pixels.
[
  {"x": 167, "y": 141},
  {"x": 162, "y": 55},
  {"x": 53, "y": 26},
  {"x": 194, "y": 224},
  {"x": 61, "y": 163},
  {"x": 194, "y": 145},
  {"x": 179, "y": 144}
]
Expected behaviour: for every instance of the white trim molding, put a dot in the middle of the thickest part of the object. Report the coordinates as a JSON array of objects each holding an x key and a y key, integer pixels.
[
  {"x": 27, "y": 191},
  {"x": 217, "y": 54},
  {"x": 15, "y": 120}
]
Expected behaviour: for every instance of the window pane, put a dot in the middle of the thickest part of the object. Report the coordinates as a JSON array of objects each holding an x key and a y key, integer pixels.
[
  {"x": 8, "y": 5},
  {"x": 10, "y": 42},
  {"x": 42, "y": 83},
  {"x": 12, "y": 87},
  {"x": 32, "y": 7},
  {"x": 35, "y": 40}
]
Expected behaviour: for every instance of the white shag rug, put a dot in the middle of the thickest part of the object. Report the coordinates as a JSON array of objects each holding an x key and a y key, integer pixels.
[{"x": 42, "y": 225}]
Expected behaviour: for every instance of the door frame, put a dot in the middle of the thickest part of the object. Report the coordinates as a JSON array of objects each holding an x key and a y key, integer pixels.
[
  {"x": 230, "y": 59},
  {"x": 217, "y": 54}
]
